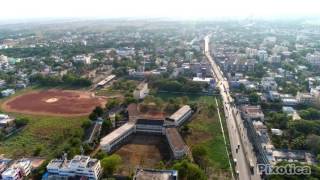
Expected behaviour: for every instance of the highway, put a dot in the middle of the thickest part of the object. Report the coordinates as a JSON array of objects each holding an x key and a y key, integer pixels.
[{"x": 241, "y": 148}]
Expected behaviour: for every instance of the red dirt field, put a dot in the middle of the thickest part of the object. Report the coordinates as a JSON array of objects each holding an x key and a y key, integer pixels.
[{"x": 54, "y": 102}]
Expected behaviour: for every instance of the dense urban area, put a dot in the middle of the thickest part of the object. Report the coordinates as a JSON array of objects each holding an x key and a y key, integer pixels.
[{"x": 158, "y": 99}]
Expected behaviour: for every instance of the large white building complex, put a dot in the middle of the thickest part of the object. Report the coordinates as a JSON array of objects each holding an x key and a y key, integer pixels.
[
  {"x": 18, "y": 170},
  {"x": 78, "y": 167},
  {"x": 150, "y": 125}
]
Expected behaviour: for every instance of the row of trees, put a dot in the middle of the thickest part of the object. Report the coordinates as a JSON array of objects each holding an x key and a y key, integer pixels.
[
  {"x": 66, "y": 80},
  {"x": 177, "y": 85}
]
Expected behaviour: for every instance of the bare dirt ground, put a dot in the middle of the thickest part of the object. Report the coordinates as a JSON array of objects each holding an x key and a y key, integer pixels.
[
  {"x": 54, "y": 102},
  {"x": 143, "y": 151}
]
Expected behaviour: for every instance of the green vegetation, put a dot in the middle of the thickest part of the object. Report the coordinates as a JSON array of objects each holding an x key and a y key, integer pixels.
[
  {"x": 203, "y": 134},
  {"x": 310, "y": 114},
  {"x": 189, "y": 171},
  {"x": 69, "y": 80},
  {"x": 110, "y": 164},
  {"x": 180, "y": 84},
  {"x": 45, "y": 136}
]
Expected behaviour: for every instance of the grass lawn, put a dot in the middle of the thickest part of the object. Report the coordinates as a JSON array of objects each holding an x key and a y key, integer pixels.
[
  {"x": 206, "y": 131},
  {"x": 48, "y": 133}
]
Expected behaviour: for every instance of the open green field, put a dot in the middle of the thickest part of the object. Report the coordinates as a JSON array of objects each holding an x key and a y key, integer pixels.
[
  {"x": 44, "y": 136},
  {"x": 206, "y": 131}
]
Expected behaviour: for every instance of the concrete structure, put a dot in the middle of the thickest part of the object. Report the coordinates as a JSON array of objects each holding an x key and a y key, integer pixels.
[
  {"x": 238, "y": 65},
  {"x": 7, "y": 92},
  {"x": 305, "y": 98},
  {"x": 181, "y": 115},
  {"x": 106, "y": 80},
  {"x": 263, "y": 55},
  {"x": 152, "y": 174},
  {"x": 7, "y": 123},
  {"x": 314, "y": 59},
  {"x": 141, "y": 91},
  {"x": 154, "y": 126},
  {"x": 151, "y": 125},
  {"x": 251, "y": 113},
  {"x": 79, "y": 166},
  {"x": 108, "y": 142},
  {"x": 177, "y": 145},
  {"x": 82, "y": 58},
  {"x": 18, "y": 170},
  {"x": 12, "y": 174},
  {"x": 273, "y": 95},
  {"x": 269, "y": 84}
]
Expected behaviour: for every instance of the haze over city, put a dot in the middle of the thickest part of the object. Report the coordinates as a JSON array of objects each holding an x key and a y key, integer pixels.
[
  {"x": 160, "y": 89},
  {"x": 17, "y": 9}
]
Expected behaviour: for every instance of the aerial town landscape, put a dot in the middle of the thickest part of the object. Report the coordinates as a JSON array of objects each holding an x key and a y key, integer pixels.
[{"x": 160, "y": 99}]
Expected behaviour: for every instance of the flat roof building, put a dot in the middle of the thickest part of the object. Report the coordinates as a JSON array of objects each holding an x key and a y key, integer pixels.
[
  {"x": 252, "y": 113},
  {"x": 153, "y": 174},
  {"x": 113, "y": 138},
  {"x": 177, "y": 145},
  {"x": 79, "y": 166},
  {"x": 181, "y": 115}
]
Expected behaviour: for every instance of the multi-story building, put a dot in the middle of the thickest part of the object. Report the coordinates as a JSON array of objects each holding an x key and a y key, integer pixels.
[
  {"x": 153, "y": 174},
  {"x": 263, "y": 55},
  {"x": 111, "y": 140},
  {"x": 252, "y": 113},
  {"x": 12, "y": 173},
  {"x": 82, "y": 58},
  {"x": 181, "y": 115},
  {"x": 141, "y": 91},
  {"x": 150, "y": 125},
  {"x": 269, "y": 84},
  {"x": 314, "y": 59},
  {"x": 7, "y": 123},
  {"x": 18, "y": 170},
  {"x": 78, "y": 167},
  {"x": 176, "y": 143},
  {"x": 305, "y": 98},
  {"x": 238, "y": 65}
]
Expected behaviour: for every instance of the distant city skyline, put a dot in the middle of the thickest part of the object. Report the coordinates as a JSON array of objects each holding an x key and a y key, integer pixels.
[{"x": 193, "y": 9}]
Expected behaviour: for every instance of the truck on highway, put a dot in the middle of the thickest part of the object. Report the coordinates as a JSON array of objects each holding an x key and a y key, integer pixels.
[{"x": 251, "y": 166}]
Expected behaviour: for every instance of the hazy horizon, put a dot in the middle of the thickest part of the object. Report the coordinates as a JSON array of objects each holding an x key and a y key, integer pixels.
[{"x": 188, "y": 9}]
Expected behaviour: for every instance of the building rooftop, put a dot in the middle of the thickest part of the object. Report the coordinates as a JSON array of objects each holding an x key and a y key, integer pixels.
[
  {"x": 10, "y": 172},
  {"x": 117, "y": 133},
  {"x": 175, "y": 139},
  {"x": 252, "y": 110},
  {"x": 150, "y": 174},
  {"x": 178, "y": 114}
]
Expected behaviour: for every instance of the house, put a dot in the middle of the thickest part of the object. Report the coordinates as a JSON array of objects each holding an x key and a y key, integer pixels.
[
  {"x": 80, "y": 166},
  {"x": 7, "y": 123},
  {"x": 141, "y": 91},
  {"x": 268, "y": 84},
  {"x": 305, "y": 98},
  {"x": 12, "y": 174},
  {"x": 153, "y": 174},
  {"x": 82, "y": 59},
  {"x": 273, "y": 95},
  {"x": 2, "y": 83},
  {"x": 7, "y": 92},
  {"x": 251, "y": 113}
]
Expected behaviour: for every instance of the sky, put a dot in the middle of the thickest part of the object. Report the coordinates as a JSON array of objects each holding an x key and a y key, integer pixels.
[{"x": 26, "y": 9}]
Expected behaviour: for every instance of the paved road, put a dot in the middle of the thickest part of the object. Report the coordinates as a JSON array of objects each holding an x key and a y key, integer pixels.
[{"x": 240, "y": 145}]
